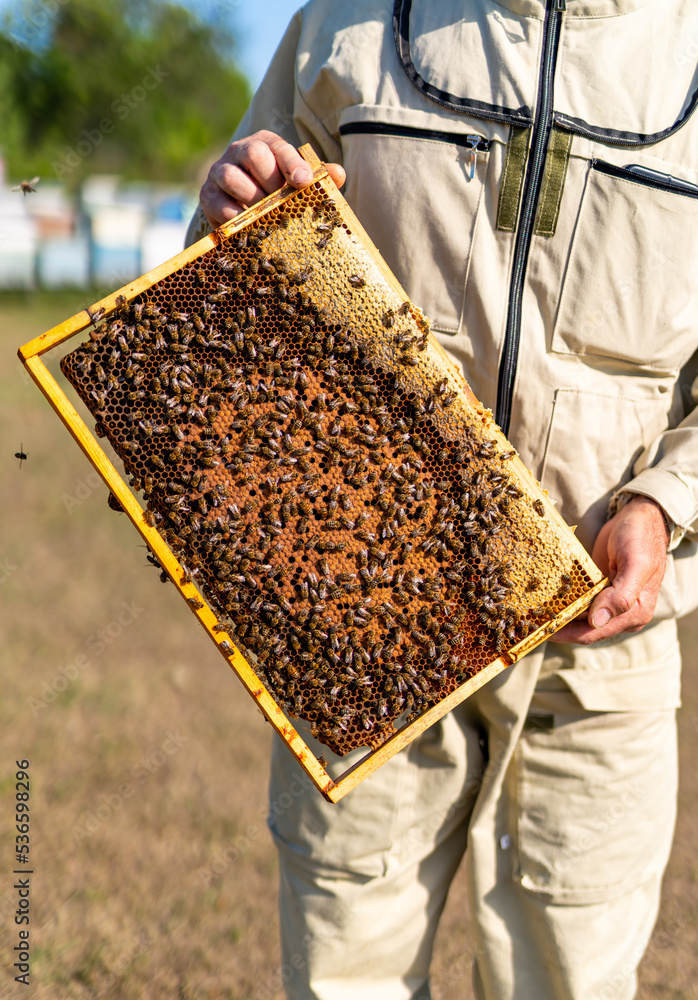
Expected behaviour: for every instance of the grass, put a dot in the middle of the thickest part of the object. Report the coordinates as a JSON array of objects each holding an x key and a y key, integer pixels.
[{"x": 132, "y": 894}]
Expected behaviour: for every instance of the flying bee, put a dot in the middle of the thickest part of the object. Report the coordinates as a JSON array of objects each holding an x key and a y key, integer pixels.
[{"x": 26, "y": 186}]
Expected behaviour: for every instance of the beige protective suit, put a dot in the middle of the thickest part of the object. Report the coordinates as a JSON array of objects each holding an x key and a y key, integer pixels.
[{"x": 529, "y": 170}]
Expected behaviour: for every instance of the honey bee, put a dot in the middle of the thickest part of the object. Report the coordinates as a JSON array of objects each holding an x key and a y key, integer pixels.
[
  {"x": 95, "y": 315},
  {"x": 27, "y": 186},
  {"x": 356, "y": 281}
]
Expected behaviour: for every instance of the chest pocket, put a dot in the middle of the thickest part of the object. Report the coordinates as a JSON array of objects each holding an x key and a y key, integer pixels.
[
  {"x": 425, "y": 240},
  {"x": 636, "y": 233}
]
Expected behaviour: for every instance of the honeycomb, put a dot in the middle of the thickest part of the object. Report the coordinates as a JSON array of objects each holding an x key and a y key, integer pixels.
[{"x": 354, "y": 519}]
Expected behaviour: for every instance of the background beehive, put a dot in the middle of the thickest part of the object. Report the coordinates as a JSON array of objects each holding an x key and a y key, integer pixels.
[{"x": 349, "y": 511}]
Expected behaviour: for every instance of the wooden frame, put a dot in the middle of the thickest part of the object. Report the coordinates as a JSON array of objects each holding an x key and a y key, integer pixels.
[{"x": 332, "y": 789}]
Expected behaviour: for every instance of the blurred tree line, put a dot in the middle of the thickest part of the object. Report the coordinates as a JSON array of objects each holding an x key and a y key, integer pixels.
[{"x": 144, "y": 88}]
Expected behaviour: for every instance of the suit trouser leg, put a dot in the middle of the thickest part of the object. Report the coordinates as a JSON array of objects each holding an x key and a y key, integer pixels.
[
  {"x": 568, "y": 831},
  {"x": 588, "y": 801},
  {"x": 363, "y": 882}
]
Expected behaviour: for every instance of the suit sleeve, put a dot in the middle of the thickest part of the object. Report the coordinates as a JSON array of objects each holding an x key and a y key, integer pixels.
[
  {"x": 278, "y": 106},
  {"x": 667, "y": 471}
]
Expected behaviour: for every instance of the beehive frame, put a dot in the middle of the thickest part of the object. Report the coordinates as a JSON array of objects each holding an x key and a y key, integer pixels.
[{"x": 342, "y": 243}]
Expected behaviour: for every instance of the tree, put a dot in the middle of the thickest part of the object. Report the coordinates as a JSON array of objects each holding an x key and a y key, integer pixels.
[{"x": 138, "y": 87}]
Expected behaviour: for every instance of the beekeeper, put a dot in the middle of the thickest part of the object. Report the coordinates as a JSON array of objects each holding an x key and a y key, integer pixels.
[{"x": 529, "y": 170}]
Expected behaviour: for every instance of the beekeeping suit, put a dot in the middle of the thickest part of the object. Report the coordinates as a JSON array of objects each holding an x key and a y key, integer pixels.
[{"x": 529, "y": 171}]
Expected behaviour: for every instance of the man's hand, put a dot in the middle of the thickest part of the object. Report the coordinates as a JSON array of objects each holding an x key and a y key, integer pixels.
[
  {"x": 252, "y": 168},
  {"x": 631, "y": 549}
]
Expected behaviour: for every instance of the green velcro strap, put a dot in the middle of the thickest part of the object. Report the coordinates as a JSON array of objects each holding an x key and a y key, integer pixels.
[
  {"x": 539, "y": 724},
  {"x": 512, "y": 179},
  {"x": 553, "y": 182}
]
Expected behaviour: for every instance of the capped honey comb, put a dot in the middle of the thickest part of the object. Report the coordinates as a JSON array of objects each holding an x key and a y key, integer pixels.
[{"x": 351, "y": 515}]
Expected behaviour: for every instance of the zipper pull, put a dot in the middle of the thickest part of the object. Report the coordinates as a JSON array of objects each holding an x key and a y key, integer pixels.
[
  {"x": 560, "y": 5},
  {"x": 472, "y": 142}
]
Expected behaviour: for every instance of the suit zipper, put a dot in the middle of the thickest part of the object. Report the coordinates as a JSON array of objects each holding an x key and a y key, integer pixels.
[
  {"x": 534, "y": 176},
  {"x": 470, "y": 141},
  {"x": 474, "y": 143},
  {"x": 637, "y": 174}
]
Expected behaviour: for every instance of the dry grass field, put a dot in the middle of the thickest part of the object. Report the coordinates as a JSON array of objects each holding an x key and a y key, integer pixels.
[{"x": 153, "y": 874}]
